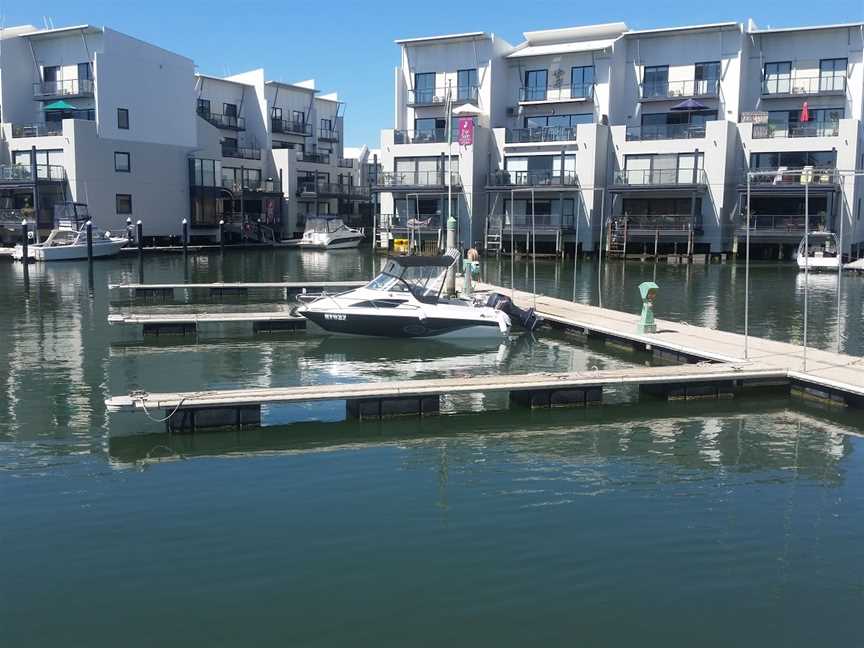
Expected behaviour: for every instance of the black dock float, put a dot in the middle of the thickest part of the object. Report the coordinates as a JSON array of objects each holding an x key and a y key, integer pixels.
[
  {"x": 575, "y": 397},
  {"x": 379, "y": 408}
]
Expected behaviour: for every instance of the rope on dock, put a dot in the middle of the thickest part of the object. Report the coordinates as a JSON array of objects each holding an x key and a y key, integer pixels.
[{"x": 141, "y": 396}]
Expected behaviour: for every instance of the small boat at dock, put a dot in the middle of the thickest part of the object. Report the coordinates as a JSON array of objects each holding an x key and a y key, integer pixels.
[{"x": 819, "y": 251}]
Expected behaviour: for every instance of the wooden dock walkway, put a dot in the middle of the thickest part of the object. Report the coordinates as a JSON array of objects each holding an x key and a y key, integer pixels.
[{"x": 157, "y": 324}]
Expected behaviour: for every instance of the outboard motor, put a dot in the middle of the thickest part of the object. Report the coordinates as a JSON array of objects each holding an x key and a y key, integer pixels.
[{"x": 527, "y": 318}]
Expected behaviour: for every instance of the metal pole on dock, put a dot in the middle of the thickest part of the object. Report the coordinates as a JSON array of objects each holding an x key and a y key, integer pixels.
[
  {"x": 600, "y": 250},
  {"x": 576, "y": 248},
  {"x": 747, "y": 277},
  {"x": 90, "y": 241},
  {"x": 129, "y": 231},
  {"x": 25, "y": 259},
  {"x": 512, "y": 248},
  {"x": 139, "y": 226},
  {"x": 451, "y": 243},
  {"x": 185, "y": 231},
  {"x": 221, "y": 234},
  {"x": 806, "y": 265},
  {"x": 534, "y": 249},
  {"x": 840, "y": 276}
]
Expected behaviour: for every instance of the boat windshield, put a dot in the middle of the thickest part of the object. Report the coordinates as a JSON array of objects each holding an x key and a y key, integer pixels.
[
  {"x": 424, "y": 282},
  {"x": 324, "y": 225},
  {"x": 824, "y": 246}
]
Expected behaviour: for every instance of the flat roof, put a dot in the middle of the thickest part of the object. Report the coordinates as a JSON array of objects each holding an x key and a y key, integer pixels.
[
  {"x": 60, "y": 31},
  {"x": 661, "y": 30},
  {"x": 771, "y": 30},
  {"x": 430, "y": 39}
]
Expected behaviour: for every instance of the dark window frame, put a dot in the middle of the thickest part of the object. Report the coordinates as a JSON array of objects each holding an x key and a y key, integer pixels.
[
  {"x": 128, "y": 155},
  {"x": 536, "y": 92},
  {"x": 466, "y": 91},
  {"x": 117, "y": 203},
  {"x": 203, "y": 106},
  {"x": 590, "y": 84},
  {"x": 123, "y": 119}
]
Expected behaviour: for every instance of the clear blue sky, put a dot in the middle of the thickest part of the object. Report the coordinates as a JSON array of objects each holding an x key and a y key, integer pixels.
[{"x": 348, "y": 46}]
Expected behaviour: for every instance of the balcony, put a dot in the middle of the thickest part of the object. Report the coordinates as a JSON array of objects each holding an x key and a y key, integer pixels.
[
  {"x": 243, "y": 153},
  {"x": 505, "y": 179},
  {"x": 793, "y": 86},
  {"x": 553, "y": 221},
  {"x": 23, "y": 174},
  {"x": 42, "y": 129},
  {"x": 667, "y": 90},
  {"x": 226, "y": 122},
  {"x": 333, "y": 189},
  {"x": 651, "y": 223},
  {"x": 778, "y": 223},
  {"x": 68, "y": 88},
  {"x": 328, "y": 135},
  {"x": 419, "y": 179},
  {"x": 665, "y": 132},
  {"x": 426, "y": 136},
  {"x": 540, "y": 134},
  {"x": 659, "y": 177},
  {"x": 345, "y": 164},
  {"x": 438, "y": 96},
  {"x": 314, "y": 158},
  {"x": 785, "y": 177},
  {"x": 806, "y": 129},
  {"x": 288, "y": 127},
  {"x": 268, "y": 185},
  {"x": 559, "y": 93}
]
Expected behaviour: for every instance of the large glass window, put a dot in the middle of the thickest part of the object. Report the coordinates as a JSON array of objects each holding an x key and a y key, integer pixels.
[
  {"x": 582, "y": 82},
  {"x": 423, "y": 170},
  {"x": 832, "y": 75},
  {"x": 793, "y": 160},
  {"x": 538, "y": 169},
  {"x": 706, "y": 78},
  {"x": 535, "y": 85},
  {"x": 204, "y": 107},
  {"x": 424, "y": 87},
  {"x": 667, "y": 168},
  {"x": 655, "y": 83},
  {"x": 123, "y": 118},
  {"x": 778, "y": 78},
  {"x": 466, "y": 85}
]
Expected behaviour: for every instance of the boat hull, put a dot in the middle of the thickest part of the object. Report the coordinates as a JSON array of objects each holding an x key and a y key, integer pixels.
[
  {"x": 69, "y": 252},
  {"x": 830, "y": 264},
  {"x": 394, "y": 326},
  {"x": 337, "y": 244}
]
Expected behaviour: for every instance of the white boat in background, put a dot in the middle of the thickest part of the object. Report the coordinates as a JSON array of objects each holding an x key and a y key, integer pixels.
[
  {"x": 68, "y": 240},
  {"x": 823, "y": 252},
  {"x": 329, "y": 233}
]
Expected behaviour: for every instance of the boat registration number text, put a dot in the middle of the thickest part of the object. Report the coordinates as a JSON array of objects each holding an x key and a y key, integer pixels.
[{"x": 335, "y": 316}]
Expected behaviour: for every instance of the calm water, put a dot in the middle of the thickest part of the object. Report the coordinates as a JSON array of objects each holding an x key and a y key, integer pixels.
[{"x": 686, "y": 524}]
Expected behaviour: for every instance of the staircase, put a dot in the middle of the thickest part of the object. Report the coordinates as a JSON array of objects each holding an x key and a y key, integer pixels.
[
  {"x": 494, "y": 238},
  {"x": 616, "y": 245}
]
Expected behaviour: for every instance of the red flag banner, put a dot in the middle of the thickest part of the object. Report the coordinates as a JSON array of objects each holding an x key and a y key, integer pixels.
[{"x": 466, "y": 131}]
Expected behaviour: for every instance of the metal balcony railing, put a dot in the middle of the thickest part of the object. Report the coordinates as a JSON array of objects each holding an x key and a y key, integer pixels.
[
  {"x": 438, "y": 96},
  {"x": 328, "y": 134},
  {"x": 418, "y": 179},
  {"x": 783, "y": 176},
  {"x": 414, "y": 222},
  {"x": 228, "y": 122},
  {"x": 679, "y": 89},
  {"x": 806, "y": 129},
  {"x": 42, "y": 129},
  {"x": 522, "y": 221},
  {"x": 288, "y": 127},
  {"x": 244, "y": 153},
  {"x": 12, "y": 173},
  {"x": 665, "y": 131},
  {"x": 654, "y": 222},
  {"x": 779, "y": 222},
  {"x": 791, "y": 85},
  {"x": 651, "y": 177},
  {"x": 264, "y": 185},
  {"x": 337, "y": 189},
  {"x": 507, "y": 178},
  {"x": 425, "y": 136},
  {"x": 65, "y": 88},
  {"x": 315, "y": 158},
  {"x": 540, "y": 134},
  {"x": 579, "y": 92}
]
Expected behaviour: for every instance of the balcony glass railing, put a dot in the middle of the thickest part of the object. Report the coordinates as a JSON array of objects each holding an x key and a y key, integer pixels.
[
  {"x": 522, "y": 221},
  {"x": 345, "y": 164},
  {"x": 288, "y": 127},
  {"x": 680, "y": 89},
  {"x": 540, "y": 134},
  {"x": 580, "y": 92},
  {"x": 784, "y": 176},
  {"x": 653, "y": 222},
  {"x": 65, "y": 88},
  {"x": 438, "y": 96},
  {"x": 244, "y": 153},
  {"x": 507, "y": 178},
  {"x": 265, "y": 185},
  {"x": 229, "y": 122},
  {"x": 418, "y": 179},
  {"x": 425, "y": 136},
  {"x": 44, "y": 129},
  {"x": 807, "y": 129},
  {"x": 328, "y": 134},
  {"x": 333, "y": 189},
  {"x": 24, "y": 173},
  {"x": 802, "y": 86},
  {"x": 314, "y": 158},
  {"x": 793, "y": 223},
  {"x": 650, "y": 177},
  {"x": 665, "y": 131}
]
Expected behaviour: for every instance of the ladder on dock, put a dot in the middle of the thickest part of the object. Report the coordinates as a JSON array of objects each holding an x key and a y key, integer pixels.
[{"x": 617, "y": 238}]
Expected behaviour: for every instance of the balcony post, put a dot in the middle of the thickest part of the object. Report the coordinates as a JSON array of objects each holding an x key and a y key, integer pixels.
[
  {"x": 242, "y": 204},
  {"x": 35, "y": 179},
  {"x": 563, "y": 157}
]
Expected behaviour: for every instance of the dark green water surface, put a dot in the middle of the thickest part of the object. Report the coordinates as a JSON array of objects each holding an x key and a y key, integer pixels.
[{"x": 650, "y": 524}]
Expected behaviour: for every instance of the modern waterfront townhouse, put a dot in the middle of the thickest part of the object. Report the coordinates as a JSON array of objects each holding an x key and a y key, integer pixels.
[
  {"x": 784, "y": 70},
  {"x": 80, "y": 125},
  {"x": 425, "y": 179}
]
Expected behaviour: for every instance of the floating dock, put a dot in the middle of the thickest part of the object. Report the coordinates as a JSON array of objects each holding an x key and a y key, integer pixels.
[
  {"x": 219, "y": 324},
  {"x": 168, "y": 291}
]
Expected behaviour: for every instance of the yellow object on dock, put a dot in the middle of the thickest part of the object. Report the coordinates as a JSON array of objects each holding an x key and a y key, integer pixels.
[{"x": 401, "y": 246}]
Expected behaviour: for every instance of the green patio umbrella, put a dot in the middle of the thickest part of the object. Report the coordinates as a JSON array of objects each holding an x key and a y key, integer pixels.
[{"x": 59, "y": 105}]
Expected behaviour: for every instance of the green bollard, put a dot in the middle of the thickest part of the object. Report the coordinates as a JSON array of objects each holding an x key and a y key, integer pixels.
[{"x": 648, "y": 291}]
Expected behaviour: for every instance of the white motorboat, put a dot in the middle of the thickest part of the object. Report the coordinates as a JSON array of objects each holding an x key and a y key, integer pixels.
[
  {"x": 329, "y": 233},
  {"x": 823, "y": 252},
  {"x": 68, "y": 241},
  {"x": 405, "y": 300}
]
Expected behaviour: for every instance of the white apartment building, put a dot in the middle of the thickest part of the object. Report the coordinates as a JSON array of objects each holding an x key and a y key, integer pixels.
[
  {"x": 639, "y": 138},
  {"x": 258, "y": 155}
]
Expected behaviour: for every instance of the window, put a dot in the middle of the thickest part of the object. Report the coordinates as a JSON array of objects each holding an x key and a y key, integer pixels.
[
  {"x": 205, "y": 173},
  {"x": 52, "y": 157},
  {"x": 655, "y": 82},
  {"x": 793, "y": 160},
  {"x": 124, "y": 203},
  {"x": 85, "y": 72},
  {"x": 535, "y": 85},
  {"x": 423, "y": 170},
  {"x": 554, "y": 127},
  {"x": 706, "y": 78},
  {"x": 276, "y": 113},
  {"x": 122, "y": 162},
  {"x": 229, "y": 143},
  {"x": 279, "y": 144},
  {"x": 672, "y": 125},
  {"x": 229, "y": 109},
  {"x": 252, "y": 178},
  {"x": 823, "y": 122},
  {"x": 544, "y": 212},
  {"x": 669, "y": 168},
  {"x": 466, "y": 85},
  {"x": 424, "y": 87},
  {"x": 326, "y": 126},
  {"x": 778, "y": 78},
  {"x": 298, "y": 117},
  {"x": 832, "y": 75},
  {"x": 204, "y": 107},
  {"x": 582, "y": 82},
  {"x": 430, "y": 129},
  {"x": 538, "y": 169},
  {"x": 51, "y": 73},
  {"x": 123, "y": 118}
]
